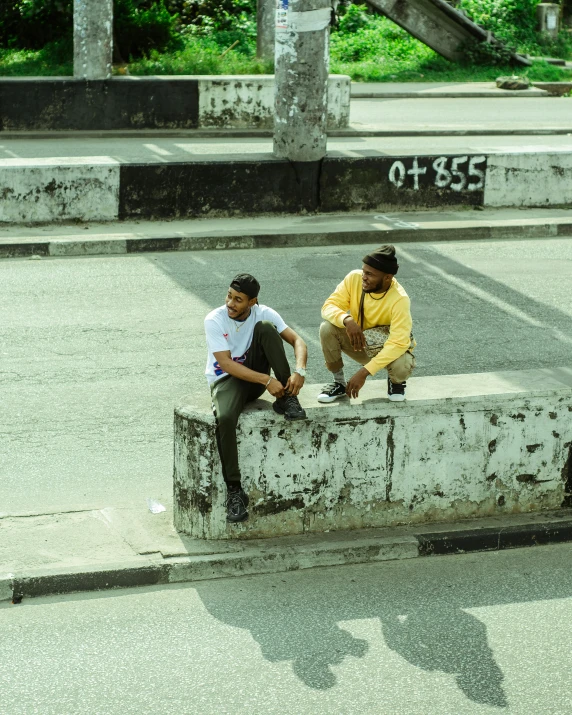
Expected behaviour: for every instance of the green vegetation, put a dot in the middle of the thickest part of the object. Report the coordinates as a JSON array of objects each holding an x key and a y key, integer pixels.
[{"x": 193, "y": 36}]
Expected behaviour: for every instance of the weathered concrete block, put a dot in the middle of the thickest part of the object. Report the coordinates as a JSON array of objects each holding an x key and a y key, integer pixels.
[
  {"x": 245, "y": 102},
  {"x": 529, "y": 179},
  {"x": 59, "y": 189},
  {"x": 65, "y": 103},
  {"x": 461, "y": 446}
]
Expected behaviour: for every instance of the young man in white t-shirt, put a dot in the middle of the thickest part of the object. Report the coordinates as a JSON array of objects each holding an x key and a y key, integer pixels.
[{"x": 245, "y": 341}]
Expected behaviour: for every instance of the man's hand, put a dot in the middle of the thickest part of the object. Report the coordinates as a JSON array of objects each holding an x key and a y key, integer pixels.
[
  {"x": 355, "y": 334},
  {"x": 356, "y": 382},
  {"x": 294, "y": 384},
  {"x": 275, "y": 388}
]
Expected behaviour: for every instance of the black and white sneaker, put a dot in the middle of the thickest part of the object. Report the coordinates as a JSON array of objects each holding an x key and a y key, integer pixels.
[
  {"x": 331, "y": 392},
  {"x": 395, "y": 391},
  {"x": 236, "y": 503},
  {"x": 290, "y": 407}
]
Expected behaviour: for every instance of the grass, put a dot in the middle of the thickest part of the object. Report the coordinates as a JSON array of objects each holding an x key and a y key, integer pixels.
[
  {"x": 53, "y": 60},
  {"x": 368, "y": 48}
]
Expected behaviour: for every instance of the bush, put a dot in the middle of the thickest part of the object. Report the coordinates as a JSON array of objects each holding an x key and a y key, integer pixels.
[
  {"x": 34, "y": 23},
  {"x": 139, "y": 25},
  {"x": 226, "y": 15}
]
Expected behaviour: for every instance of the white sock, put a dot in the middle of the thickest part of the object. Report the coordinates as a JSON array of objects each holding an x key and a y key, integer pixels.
[{"x": 339, "y": 377}]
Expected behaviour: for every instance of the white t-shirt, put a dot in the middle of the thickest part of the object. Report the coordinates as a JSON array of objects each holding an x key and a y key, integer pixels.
[{"x": 222, "y": 334}]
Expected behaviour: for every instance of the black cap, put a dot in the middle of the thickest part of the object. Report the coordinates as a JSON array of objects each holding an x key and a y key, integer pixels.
[
  {"x": 245, "y": 283},
  {"x": 383, "y": 258}
]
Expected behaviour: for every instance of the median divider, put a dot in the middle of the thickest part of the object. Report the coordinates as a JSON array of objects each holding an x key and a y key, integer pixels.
[
  {"x": 461, "y": 446},
  {"x": 104, "y": 188}
]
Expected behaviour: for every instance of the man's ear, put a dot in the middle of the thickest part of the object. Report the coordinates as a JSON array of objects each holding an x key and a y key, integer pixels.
[{"x": 252, "y": 302}]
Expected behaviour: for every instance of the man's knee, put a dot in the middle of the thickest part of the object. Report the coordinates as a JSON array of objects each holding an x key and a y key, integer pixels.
[
  {"x": 265, "y": 327},
  {"x": 399, "y": 370},
  {"x": 328, "y": 330}
]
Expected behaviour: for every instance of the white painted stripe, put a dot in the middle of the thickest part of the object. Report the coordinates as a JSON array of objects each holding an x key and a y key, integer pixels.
[{"x": 309, "y": 21}]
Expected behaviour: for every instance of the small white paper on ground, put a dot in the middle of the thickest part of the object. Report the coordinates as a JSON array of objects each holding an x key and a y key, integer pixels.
[{"x": 155, "y": 507}]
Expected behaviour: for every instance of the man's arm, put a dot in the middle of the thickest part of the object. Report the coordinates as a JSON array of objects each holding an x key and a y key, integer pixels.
[
  {"x": 336, "y": 307},
  {"x": 224, "y": 359},
  {"x": 296, "y": 381}
]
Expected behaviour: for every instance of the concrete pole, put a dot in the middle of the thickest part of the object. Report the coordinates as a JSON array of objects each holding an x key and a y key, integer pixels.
[
  {"x": 265, "y": 24},
  {"x": 92, "y": 38},
  {"x": 301, "y": 87}
]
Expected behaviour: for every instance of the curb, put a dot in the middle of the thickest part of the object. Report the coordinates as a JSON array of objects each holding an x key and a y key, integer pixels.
[
  {"x": 64, "y": 247},
  {"x": 276, "y": 559}
]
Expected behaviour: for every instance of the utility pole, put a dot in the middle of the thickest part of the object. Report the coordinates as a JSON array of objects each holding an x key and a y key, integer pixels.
[
  {"x": 92, "y": 38},
  {"x": 301, "y": 87},
  {"x": 265, "y": 24}
]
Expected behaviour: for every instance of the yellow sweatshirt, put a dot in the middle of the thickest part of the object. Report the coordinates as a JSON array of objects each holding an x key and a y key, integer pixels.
[{"x": 393, "y": 310}]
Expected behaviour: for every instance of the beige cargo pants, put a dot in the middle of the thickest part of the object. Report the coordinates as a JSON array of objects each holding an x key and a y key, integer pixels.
[{"x": 335, "y": 341}]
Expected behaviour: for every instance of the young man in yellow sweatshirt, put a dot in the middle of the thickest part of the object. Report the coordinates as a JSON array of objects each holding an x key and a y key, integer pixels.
[{"x": 366, "y": 299}]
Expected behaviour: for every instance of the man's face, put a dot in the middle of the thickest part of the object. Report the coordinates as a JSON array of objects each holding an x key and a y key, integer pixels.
[
  {"x": 374, "y": 281},
  {"x": 238, "y": 304}
]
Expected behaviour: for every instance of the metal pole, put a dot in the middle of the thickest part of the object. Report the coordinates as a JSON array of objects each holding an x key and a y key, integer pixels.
[
  {"x": 301, "y": 86},
  {"x": 92, "y": 38}
]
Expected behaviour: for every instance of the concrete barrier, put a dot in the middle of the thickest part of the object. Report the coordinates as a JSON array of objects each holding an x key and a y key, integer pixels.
[
  {"x": 248, "y": 101},
  {"x": 162, "y": 102},
  {"x": 461, "y": 446},
  {"x": 36, "y": 190}
]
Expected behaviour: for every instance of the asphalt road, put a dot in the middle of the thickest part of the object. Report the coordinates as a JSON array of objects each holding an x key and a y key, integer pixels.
[
  {"x": 95, "y": 351},
  {"x": 185, "y": 147},
  {"x": 513, "y": 114},
  {"x": 453, "y": 635}
]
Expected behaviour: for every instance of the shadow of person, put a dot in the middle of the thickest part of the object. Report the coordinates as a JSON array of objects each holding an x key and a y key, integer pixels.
[
  {"x": 288, "y": 628},
  {"x": 296, "y": 620},
  {"x": 314, "y": 667},
  {"x": 446, "y": 638}
]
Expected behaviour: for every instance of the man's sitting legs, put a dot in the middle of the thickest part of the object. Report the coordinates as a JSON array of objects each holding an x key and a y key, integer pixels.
[
  {"x": 229, "y": 397},
  {"x": 267, "y": 352},
  {"x": 335, "y": 342}
]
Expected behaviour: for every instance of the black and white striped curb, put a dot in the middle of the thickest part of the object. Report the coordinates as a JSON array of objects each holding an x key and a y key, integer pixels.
[
  {"x": 104, "y": 189},
  {"x": 340, "y": 549}
]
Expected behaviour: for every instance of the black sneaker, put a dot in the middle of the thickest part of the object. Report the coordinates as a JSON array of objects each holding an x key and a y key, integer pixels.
[
  {"x": 289, "y": 407},
  {"x": 332, "y": 392},
  {"x": 236, "y": 503},
  {"x": 395, "y": 391}
]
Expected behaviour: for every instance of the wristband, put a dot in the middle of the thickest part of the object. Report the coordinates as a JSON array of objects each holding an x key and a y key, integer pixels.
[{"x": 269, "y": 381}]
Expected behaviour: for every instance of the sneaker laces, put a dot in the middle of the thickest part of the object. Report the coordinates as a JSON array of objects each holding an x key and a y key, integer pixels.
[
  {"x": 292, "y": 400},
  {"x": 235, "y": 501}
]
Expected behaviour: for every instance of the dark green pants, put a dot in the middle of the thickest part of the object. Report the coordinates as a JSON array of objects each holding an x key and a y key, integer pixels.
[{"x": 230, "y": 394}]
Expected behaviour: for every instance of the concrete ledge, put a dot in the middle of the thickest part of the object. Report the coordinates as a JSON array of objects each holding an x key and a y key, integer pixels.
[
  {"x": 291, "y": 553},
  {"x": 160, "y": 102},
  {"x": 461, "y": 446},
  {"x": 65, "y": 103},
  {"x": 102, "y": 188},
  {"x": 248, "y": 101},
  {"x": 275, "y": 232}
]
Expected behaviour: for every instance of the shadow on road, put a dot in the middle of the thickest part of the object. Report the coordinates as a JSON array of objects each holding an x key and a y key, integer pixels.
[
  {"x": 465, "y": 320},
  {"x": 310, "y": 630}
]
